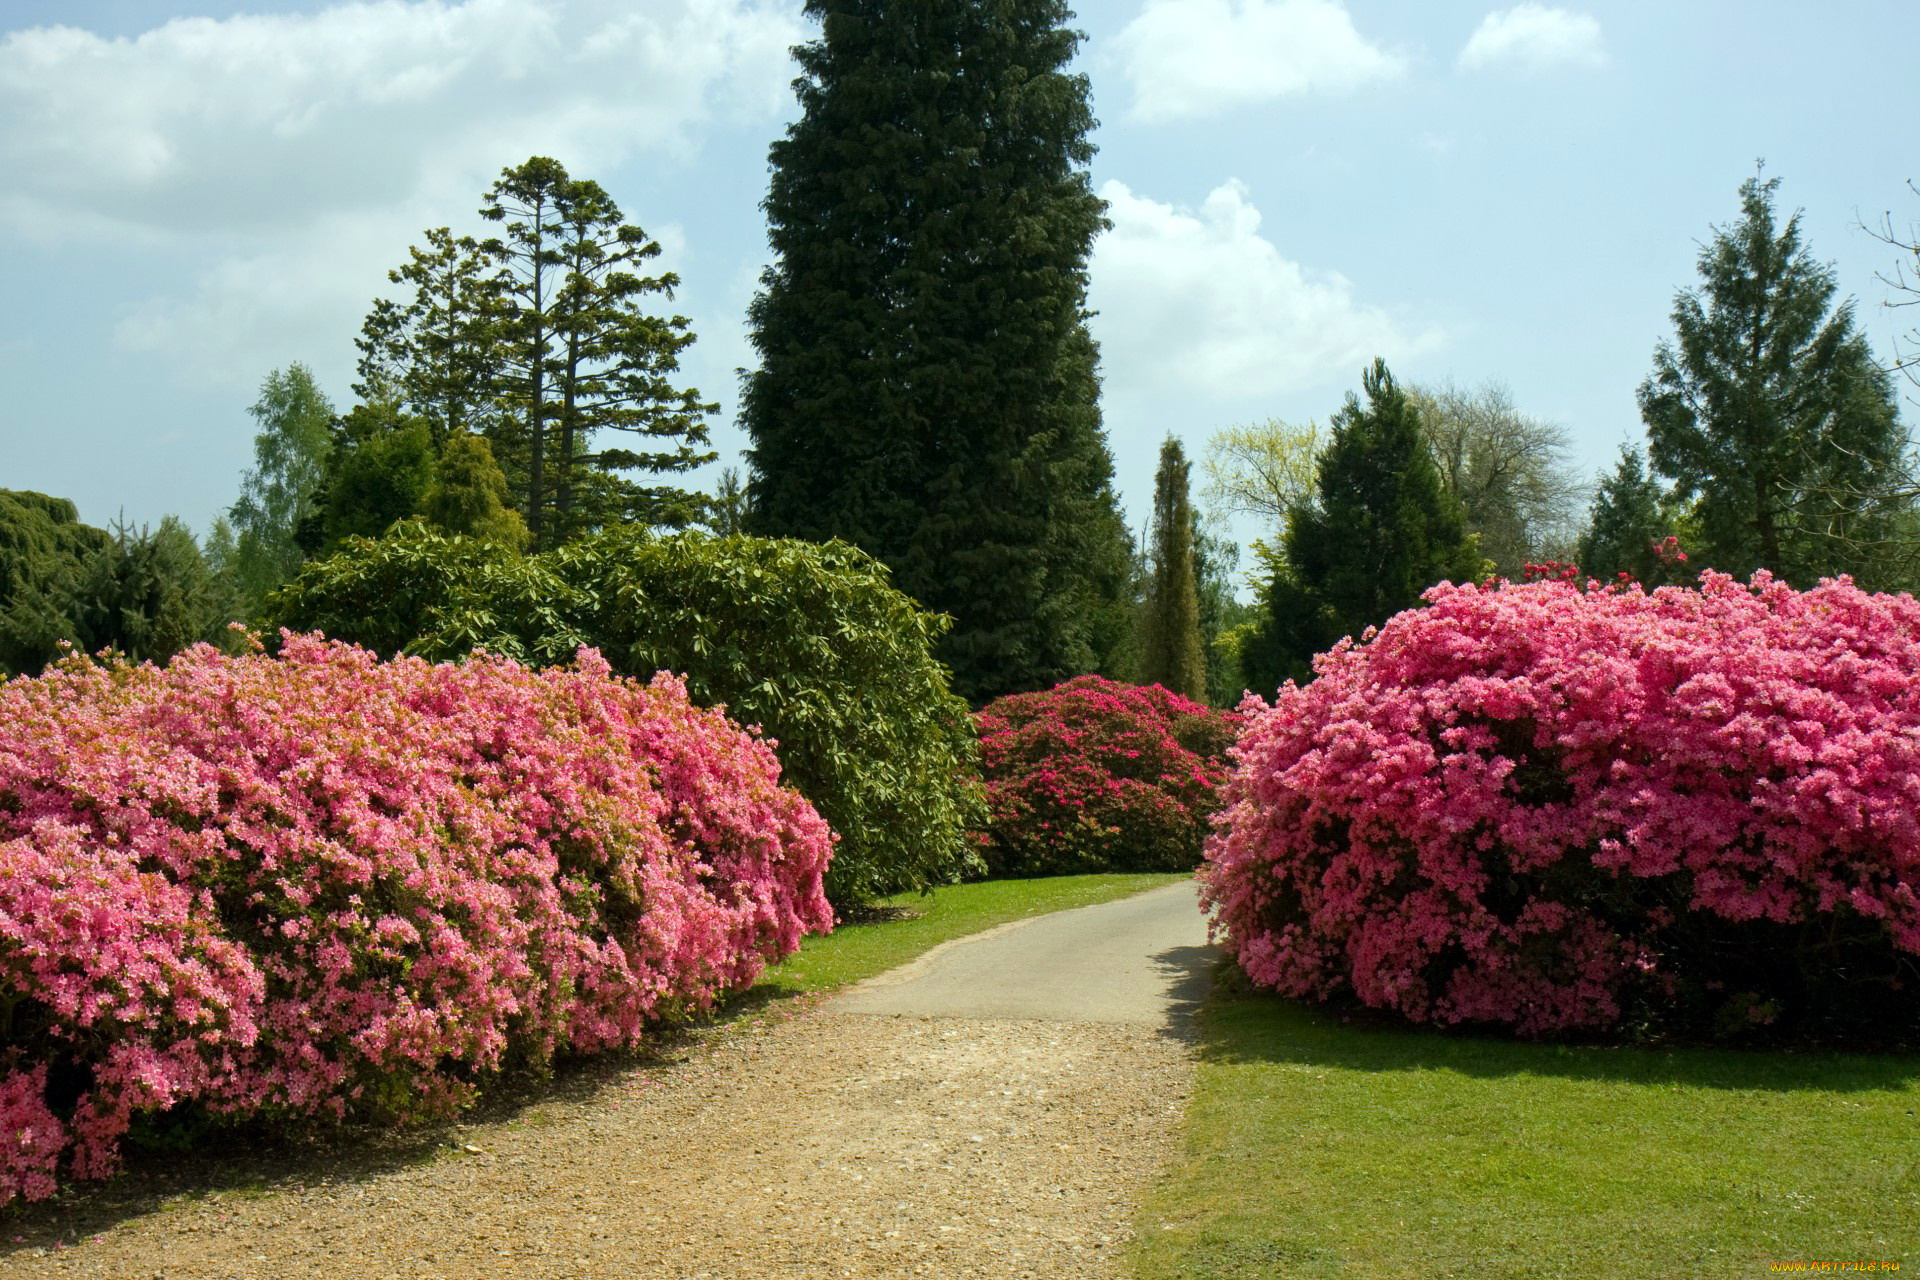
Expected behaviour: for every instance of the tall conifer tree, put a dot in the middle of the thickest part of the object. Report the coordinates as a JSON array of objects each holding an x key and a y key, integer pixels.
[
  {"x": 1770, "y": 408},
  {"x": 927, "y": 384},
  {"x": 1170, "y": 653},
  {"x": 1382, "y": 529}
]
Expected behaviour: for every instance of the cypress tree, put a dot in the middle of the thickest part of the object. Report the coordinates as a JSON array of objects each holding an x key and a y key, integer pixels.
[
  {"x": 927, "y": 387},
  {"x": 1170, "y": 653},
  {"x": 1382, "y": 530}
]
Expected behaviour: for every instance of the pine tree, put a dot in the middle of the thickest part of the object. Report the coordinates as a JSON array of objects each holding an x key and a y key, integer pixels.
[
  {"x": 579, "y": 356},
  {"x": 1629, "y": 516},
  {"x": 539, "y": 340},
  {"x": 1382, "y": 530},
  {"x": 437, "y": 353},
  {"x": 1770, "y": 408},
  {"x": 927, "y": 385},
  {"x": 1170, "y": 653}
]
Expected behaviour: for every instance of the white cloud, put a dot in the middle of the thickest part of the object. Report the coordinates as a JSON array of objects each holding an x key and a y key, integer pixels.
[
  {"x": 1200, "y": 299},
  {"x": 1533, "y": 37},
  {"x": 292, "y": 157},
  {"x": 1199, "y": 57}
]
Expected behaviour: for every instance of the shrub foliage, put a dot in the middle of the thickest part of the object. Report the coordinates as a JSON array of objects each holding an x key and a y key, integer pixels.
[
  {"x": 1558, "y": 808},
  {"x": 811, "y": 642},
  {"x": 323, "y": 885},
  {"x": 1094, "y": 775}
]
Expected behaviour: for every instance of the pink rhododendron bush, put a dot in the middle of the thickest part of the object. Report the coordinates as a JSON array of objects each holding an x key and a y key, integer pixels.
[
  {"x": 1561, "y": 809},
  {"x": 324, "y": 885},
  {"x": 1095, "y": 775}
]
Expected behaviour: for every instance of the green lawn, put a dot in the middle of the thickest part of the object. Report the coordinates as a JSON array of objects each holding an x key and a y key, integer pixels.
[
  {"x": 1322, "y": 1148},
  {"x": 856, "y": 951}
]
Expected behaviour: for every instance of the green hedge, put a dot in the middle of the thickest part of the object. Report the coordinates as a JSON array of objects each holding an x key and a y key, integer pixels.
[{"x": 809, "y": 641}]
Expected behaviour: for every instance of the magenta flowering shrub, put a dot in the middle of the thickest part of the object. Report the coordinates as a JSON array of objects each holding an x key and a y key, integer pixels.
[
  {"x": 325, "y": 885},
  {"x": 1095, "y": 775},
  {"x": 1559, "y": 808}
]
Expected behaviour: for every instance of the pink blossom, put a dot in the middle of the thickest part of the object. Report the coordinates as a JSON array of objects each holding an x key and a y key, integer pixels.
[
  {"x": 330, "y": 885},
  {"x": 1528, "y": 804}
]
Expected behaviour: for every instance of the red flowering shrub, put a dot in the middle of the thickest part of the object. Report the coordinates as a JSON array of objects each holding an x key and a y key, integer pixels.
[
  {"x": 1093, "y": 775},
  {"x": 327, "y": 885},
  {"x": 1555, "y": 807}
]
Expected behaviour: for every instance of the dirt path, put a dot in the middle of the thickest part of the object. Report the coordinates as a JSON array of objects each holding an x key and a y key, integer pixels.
[{"x": 992, "y": 1110}]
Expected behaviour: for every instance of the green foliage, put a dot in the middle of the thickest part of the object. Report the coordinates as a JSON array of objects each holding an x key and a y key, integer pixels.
[
  {"x": 378, "y": 472},
  {"x": 437, "y": 354},
  {"x": 1630, "y": 514},
  {"x": 290, "y": 455},
  {"x": 44, "y": 550},
  {"x": 1383, "y": 530},
  {"x": 149, "y": 594},
  {"x": 418, "y": 591},
  {"x": 1769, "y": 410},
  {"x": 812, "y": 643},
  {"x": 1170, "y": 648},
  {"x": 809, "y": 641},
  {"x": 469, "y": 494},
  {"x": 926, "y": 387},
  {"x": 1223, "y": 617}
]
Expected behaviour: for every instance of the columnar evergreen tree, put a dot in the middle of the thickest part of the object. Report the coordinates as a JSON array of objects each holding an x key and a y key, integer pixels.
[
  {"x": 1383, "y": 528},
  {"x": 1629, "y": 516},
  {"x": 927, "y": 384},
  {"x": 290, "y": 453},
  {"x": 1170, "y": 652},
  {"x": 1770, "y": 408}
]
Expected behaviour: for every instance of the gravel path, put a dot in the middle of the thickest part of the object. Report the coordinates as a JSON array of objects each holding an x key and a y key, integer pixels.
[{"x": 905, "y": 1128}]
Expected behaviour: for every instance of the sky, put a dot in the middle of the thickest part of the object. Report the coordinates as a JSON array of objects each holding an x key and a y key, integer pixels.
[{"x": 200, "y": 193}]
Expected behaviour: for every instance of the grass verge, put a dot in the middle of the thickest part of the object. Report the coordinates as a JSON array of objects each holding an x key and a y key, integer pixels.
[
  {"x": 855, "y": 951},
  {"x": 1319, "y": 1147}
]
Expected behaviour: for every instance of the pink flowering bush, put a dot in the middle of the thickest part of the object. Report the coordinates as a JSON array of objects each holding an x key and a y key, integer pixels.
[
  {"x": 1094, "y": 775},
  {"x": 1558, "y": 808},
  {"x": 325, "y": 885}
]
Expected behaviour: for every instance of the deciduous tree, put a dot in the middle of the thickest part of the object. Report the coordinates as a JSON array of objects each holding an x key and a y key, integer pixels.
[
  {"x": 290, "y": 453},
  {"x": 1508, "y": 469}
]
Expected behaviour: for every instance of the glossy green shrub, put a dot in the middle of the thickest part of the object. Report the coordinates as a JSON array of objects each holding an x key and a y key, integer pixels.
[{"x": 809, "y": 641}]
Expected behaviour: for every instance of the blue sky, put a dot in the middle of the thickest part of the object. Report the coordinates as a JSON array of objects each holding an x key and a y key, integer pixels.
[{"x": 200, "y": 193}]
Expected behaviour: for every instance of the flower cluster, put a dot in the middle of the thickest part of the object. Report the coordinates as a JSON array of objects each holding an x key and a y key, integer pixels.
[
  {"x": 1554, "y": 806},
  {"x": 321, "y": 884},
  {"x": 1093, "y": 775}
]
